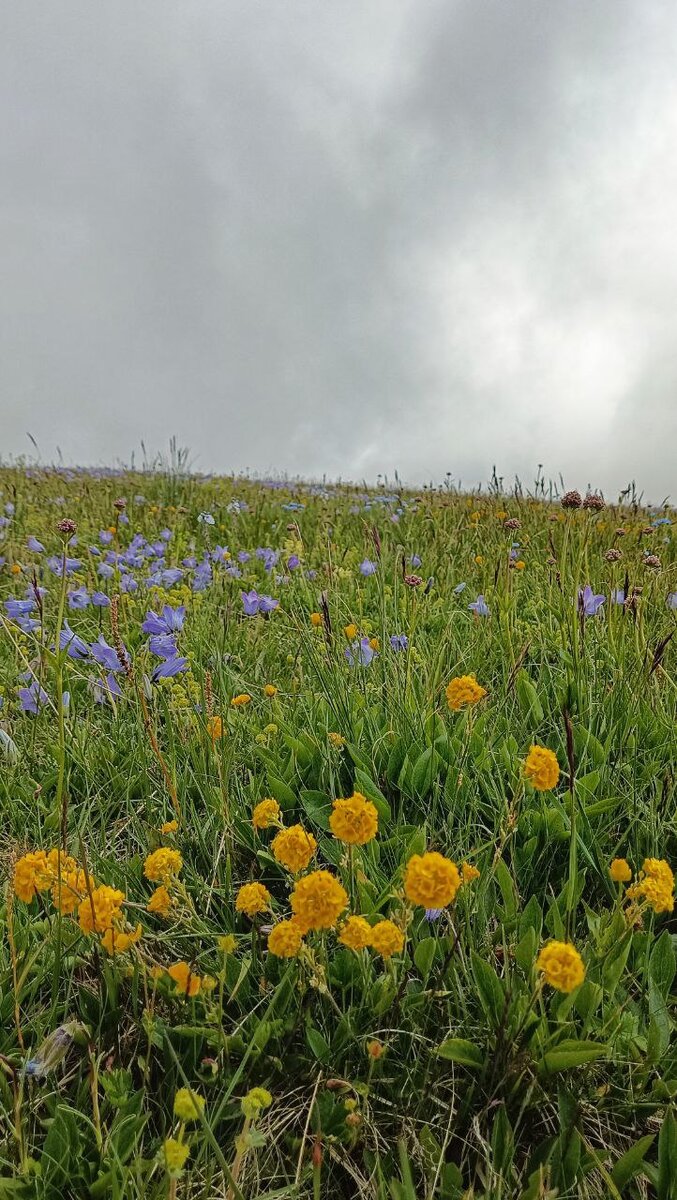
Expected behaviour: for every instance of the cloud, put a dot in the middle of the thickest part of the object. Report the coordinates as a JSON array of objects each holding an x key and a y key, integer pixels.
[{"x": 343, "y": 238}]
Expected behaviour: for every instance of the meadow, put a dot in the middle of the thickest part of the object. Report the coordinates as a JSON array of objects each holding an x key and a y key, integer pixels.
[{"x": 337, "y": 834}]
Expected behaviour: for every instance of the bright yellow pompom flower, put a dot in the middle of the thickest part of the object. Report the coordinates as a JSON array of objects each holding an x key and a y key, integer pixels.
[
  {"x": 561, "y": 965},
  {"x": 284, "y": 939},
  {"x": 463, "y": 692},
  {"x": 469, "y": 872},
  {"x": 656, "y": 885},
  {"x": 318, "y": 900},
  {"x": 253, "y": 898},
  {"x": 175, "y": 1153},
  {"x": 162, "y": 865},
  {"x": 431, "y": 880},
  {"x": 186, "y": 982},
  {"x": 354, "y": 820},
  {"x": 188, "y": 1105},
  {"x": 541, "y": 768},
  {"x": 293, "y": 848},
  {"x": 620, "y": 870},
  {"x": 266, "y": 813},
  {"x": 316, "y": 619},
  {"x": 241, "y": 700},
  {"x": 160, "y": 902},
  {"x": 350, "y": 631},
  {"x": 270, "y": 690},
  {"x": 355, "y": 934},
  {"x": 32, "y": 874},
  {"x": 98, "y": 912},
  {"x": 387, "y": 938}
]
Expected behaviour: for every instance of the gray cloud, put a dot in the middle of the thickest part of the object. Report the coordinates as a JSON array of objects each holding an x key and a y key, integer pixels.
[{"x": 342, "y": 238}]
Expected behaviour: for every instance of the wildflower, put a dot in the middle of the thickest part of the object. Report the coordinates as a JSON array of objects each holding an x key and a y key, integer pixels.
[
  {"x": 463, "y": 691},
  {"x": 561, "y": 966},
  {"x": 318, "y": 900},
  {"x": 433, "y": 914},
  {"x": 160, "y": 902},
  {"x": 186, "y": 982},
  {"x": 593, "y": 502},
  {"x": 316, "y": 619},
  {"x": 367, "y": 567},
  {"x": 188, "y": 1105},
  {"x": 589, "y": 604},
  {"x": 16, "y": 569},
  {"x": 360, "y": 653},
  {"x": 656, "y": 885},
  {"x": 162, "y": 865},
  {"x": 284, "y": 939},
  {"x": 337, "y": 740},
  {"x": 571, "y": 500},
  {"x": 227, "y": 943},
  {"x": 32, "y": 873},
  {"x": 175, "y": 1155},
  {"x": 97, "y": 912},
  {"x": 431, "y": 880},
  {"x": 215, "y": 728},
  {"x": 241, "y": 700},
  {"x": 293, "y": 848},
  {"x": 618, "y": 596},
  {"x": 512, "y": 523},
  {"x": 68, "y": 888},
  {"x": 469, "y": 872},
  {"x": 270, "y": 690},
  {"x": 541, "y": 768},
  {"x": 620, "y": 871},
  {"x": 479, "y": 607},
  {"x": 355, "y": 934},
  {"x": 413, "y": 581},
  {"x": 387, "y": 938},
  {"x": 266, "y": 813},
  {"x": 354, "y": 820},
  {"x": 375, "y": 1049},
  {"x": 74, "y": 645},
  {"x": 350, "y": 632},
  {"x": 35, "y": 546},
  {"x": 479, "y": 559},
  {"x": 520, "y": 564},
  {"x": 115, "y": 941},
  {"x": 252, "y": 898},
  {"x": 613, "y": 554},
  {"x": 256, "y": 1100},
  {"x": 399, "y": 641}
]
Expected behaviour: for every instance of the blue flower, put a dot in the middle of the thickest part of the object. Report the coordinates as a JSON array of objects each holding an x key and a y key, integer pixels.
[
  {"x": 163, "y": 645},
  {"x": 250, "y": 601},
  {"x": 105, "y": 537},
  {"x": 100, "y": 600},
  {"x": 75, "y": 646},
  {"x": 360, "y": 653},
  {"x": 171, "y": 576},
  {"x": 433, "y": 914},
  {"x": 78, "y": 598},
  {"x": 589, "y": 604},
  {"x": 35, "y": 546},
  {"x": 672, "y": 600},
  {"x": 105, "y": 689},
  {"x": 128, "y": 584},
  {"x": 32, "y": 698},
  {"x": 172, "y": 666},
  {"x": 399, "y": 641},
  {"x": 479, "y": 607},
  {"x": 460, "y": 587},
  {"x": 618, "y": 596},
  {"x": 206, "y": 518},
  {"x": 415, "y": 560},
  {"x": 170, "y": 621},
  {"x": 367, "y": 567},
  {"x": 105, "y": 655},
  {"x": 105, "y": 570}
]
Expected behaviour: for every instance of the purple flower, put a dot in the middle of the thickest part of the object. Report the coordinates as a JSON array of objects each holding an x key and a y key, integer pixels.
[
  {"x": 32, "y": 698},
  {"x": 267, "y": 604},
  {"x": 460, "y": 587},
  {"x": 479, "y": 607},
  {"x": 78, "y": 598},
  {"x": 170, "y": 621},
  {"x": 293, "y": 562},
  {"x": 399, "y": 641},
  {"x": 128, "y": 584},
  {"x": 250, "y": 601},
  {"x": 268, "y": 556},
  {"x": 163, "y": 645},
  {"x": 105, "y": 537},
  {"x": 55, "y": 565},
  {"x": 415, "y": 560},
  {"x": 171, "y": 576},
  {"x": 35, "y": 546},
  {"x": 367, "y": 567},
  {"x": 205, "y": 518},
  {"x": 105, "y": 570},
  {"x": 202, "y": 577},
  {"x": 100, "y": 600},
  {"x": 433, "y": 914},
  {"x": 360, "y": 653},
  {"x": 171, "y": 666},
  {"x": 166, "y": 535},
  {"x": 105, "y": 655},
  {"x": 75, "y": 646},
  {"x": 589, "y": 604},
  {"x": 105, "y": 689},
  {"x": 618, "y": 596},
  {"x": 16, "y": 609},
  {"x": 243, "y": 556}
]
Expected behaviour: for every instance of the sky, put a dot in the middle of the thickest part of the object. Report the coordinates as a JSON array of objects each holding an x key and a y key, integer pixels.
[{"x": 343, "y": 238}]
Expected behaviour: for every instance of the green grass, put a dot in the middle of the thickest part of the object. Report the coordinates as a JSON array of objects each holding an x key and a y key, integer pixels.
[{"x": 451, "y": 1069}]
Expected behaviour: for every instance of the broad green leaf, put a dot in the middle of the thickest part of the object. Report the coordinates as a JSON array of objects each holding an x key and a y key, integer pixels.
[
  {"x": 459, "y": 1050},
  {"x": 489, "y": 987},
  {"x": 572, "y": 1053},
  {"x": 630, "y": 1163}
]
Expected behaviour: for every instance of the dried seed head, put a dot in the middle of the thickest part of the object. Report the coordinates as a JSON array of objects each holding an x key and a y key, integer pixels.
[
  {"x": 593, "y": 502},
  {"x": 413, "y": 580},
  {"x": 512, "y": 523},
  {"x": 653, "y": 561},
  {"x": 613, "y": 555},
  {"x": 571, "y": 499},
  {"x": 620, "y": 532}
]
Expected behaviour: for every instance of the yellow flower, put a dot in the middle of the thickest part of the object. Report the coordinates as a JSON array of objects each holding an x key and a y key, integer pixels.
[
  {"x": 468, "y": 872},
  {"x": 227, "y": 944},
  {"x": 186, "y": 982},
  {"x": 337, "y": 740},
  {"x": 501, "y": 515},
  {"x": 32, "y": 874},
  {"x": 561, "y": 965},
  {"x": 162, "y": 865},
  {"x": 520, "y": 565},
  {"x": 479, "y": 559},
  {"x": 355, "y": 934},
  {"x": 270, "y": 690},
  {"x": 541, "y": 768},
  {"x": 294, "y": 848},
  {"x": 98, "y": 912},
  {"x": 316, "y": 619},
  {"x": 241, "y": 700},
  {"x": 188, "y": 1105},
  {"x": 318, "y": 900},
  {"x": 463, "y": 690},
  {"x": 68, "y": 891},
  {"x": 160, "y": 902},
  {"x": 284, "y": 939},
  {"x": 266, "y": 813},
  {"x": 375, "y": 1049},
  {"x": 350, "y": 631},
  {"x": 431, "y": 880},
  {"x": 215, "y": 727},
  {"x": 253, "y": 898},
  {"x": 387, "y": 938},
  {"x": 656, "y": 885},
  {"x": 374, "y": 643},
  {"x": 175, "y": 1153},
  {"x": 255, "y": 1101},
  {"x": 116, "y": 942},
  {"x": 620, "y": 871},
  {"x": 169, "y": 827},
  {"x": 354, "y": 820}
]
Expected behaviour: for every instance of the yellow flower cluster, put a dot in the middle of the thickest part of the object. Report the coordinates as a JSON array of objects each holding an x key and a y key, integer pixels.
[
  {"x": 293, "y": 848},
  {"x": 284, "y": 939},
  {"x": 541, "y": 768},
  {"x": 252, "y": 898},
  {"x": 241, "y": 700},
  {"x": 162, "y": 865},
  {"x": 431, "y": 880},
  {"x": 463, "y": 692},
  {"x": 354, "y": 820},
  {"x": 318, "y": 900},
  {"x": 561, "y": 966},
  {"x": 188, "y": 1105},
  {"x": 266, "y": 813},
  {"x": 656, "y": 885}
]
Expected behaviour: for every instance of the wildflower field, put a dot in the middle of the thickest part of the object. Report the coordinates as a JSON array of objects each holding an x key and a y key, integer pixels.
[{"x": 337, "y": 835}]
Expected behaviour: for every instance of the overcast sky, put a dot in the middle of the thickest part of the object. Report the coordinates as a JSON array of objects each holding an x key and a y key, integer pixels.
[{"x": 343, "y": 236}]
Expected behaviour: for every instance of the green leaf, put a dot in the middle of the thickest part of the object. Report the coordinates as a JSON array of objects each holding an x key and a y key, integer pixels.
[
  {"x": 318, "y": 1045},
  {"x": 61, "y": 1150},
  {"x": 365, "y": 784},
  {"x": 528, "y": 698},
  {"x": 281, "y": 792},
  {"x": 424, "y": 955},
  {"x": 630, "y": 1163},
  {"x": 425, "y": 771},
  {"x": 508, "y": 890},
  {"x": 489, "y": 987},
  {"x": 667, "y": 1158},
  {"x": 572, "y": 1053},
  {"x": 662, "y": 964},
  {"x": 317, "y": 807},
  {"x": 459, "y": 1050}
]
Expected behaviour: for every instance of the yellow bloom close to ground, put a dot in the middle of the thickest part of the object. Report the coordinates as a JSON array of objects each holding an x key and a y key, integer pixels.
[
  {"x": 255, "y": 1101},
  {"x": 175, "y": 1154},
  {"x": 215, "y": 727},
  {"x": 284, "y": 939},
  {"x": 270, "y": 690},
  {"x": 169, "y": 827},
  {"x": 115, "y": 941},
  {"x": 98, "y": 912},
  {"x": 463, "y": 692},
  {"x": 160, "y": 902},
  {"x": 316, "y": 619},
  {"x": 241, "y": 700},
  {"x": 227, "y": 943},
  {"x": 69, "y": 887},
  {"x": 266, "y": 813},
  {"x": 355, "y": 934},
  {"x": 387, "y": 938},
  {"x": 187, "y": 983},
  {"x": 337, "y": 740},
  {"x": 620, "y": 871},
  {"x": 354, "y": 820},
  {"x": 188, "y": 1105},
  {"x": 162, "y": 865},
  {"x": 561, "y": 965},
  {"x": 350, "y": 631},
  {"x": 656, "y": 885},
  {"x": 252, "y": 898},
  {"x": 469, "y": 872},
  {"x": 318, "y": 900},
  {"x": 431, "y": 880},
  {"x": 541, "y": 768},
  {"x": 32, "y": 873},
  {"x": 293, "y": 848}
]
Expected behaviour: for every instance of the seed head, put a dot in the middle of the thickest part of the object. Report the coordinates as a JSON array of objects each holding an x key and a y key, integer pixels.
[
  {"x": 571, "y": 499},
  {"x": 66, "y": 525},
  {"x": 120, "y": 504},
  {"x": 512, "y": 523},
  {"x": 593, "y": 502},
  {"x": 653, "y": 561},
  {"x": 613, "y": 555}
]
